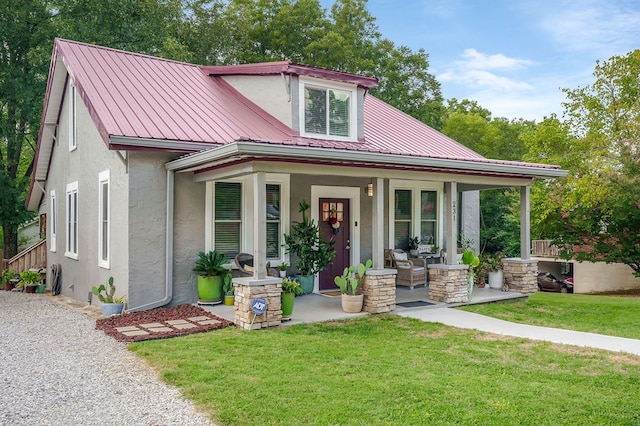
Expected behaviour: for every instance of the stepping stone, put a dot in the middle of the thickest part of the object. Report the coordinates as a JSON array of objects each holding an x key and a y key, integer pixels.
[
  {"x": 160, "y": 329},
  {"x": 177, "y": 322},
  {"x": 198, "y": 319},
  {"x": 152, "y": 325},
  {"x": 128, "y": 328},
  {"x": 209, "y": 322},
  {"x": 184, "y": 326},
  {"x": 135, "y": 333}
]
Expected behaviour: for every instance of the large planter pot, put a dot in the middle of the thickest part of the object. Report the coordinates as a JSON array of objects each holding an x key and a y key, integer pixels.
[
  {"x": 352, "y": 304},
  {"x": 287, "y": 300},
  {"x": 8, "y": 286},
  {"x": 30, "y": 288},
  {"x": 109, "y": 309},
  {"x": 209, "y": 289},
  {"x": 306, "y": 282},
  {"x": 496, "y": 280}
]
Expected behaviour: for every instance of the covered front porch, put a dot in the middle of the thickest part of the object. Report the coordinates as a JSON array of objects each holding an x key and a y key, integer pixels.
[{"x": 319, "y": 307}]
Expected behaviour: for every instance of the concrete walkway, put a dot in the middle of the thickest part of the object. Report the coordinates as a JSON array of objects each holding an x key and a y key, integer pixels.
[{"x": 469, "y": 320}]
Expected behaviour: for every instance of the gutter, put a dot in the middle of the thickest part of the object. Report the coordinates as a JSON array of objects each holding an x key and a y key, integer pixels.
[
  {"x": 168, "y": 286},
  {"x": 199, "y": 160}
]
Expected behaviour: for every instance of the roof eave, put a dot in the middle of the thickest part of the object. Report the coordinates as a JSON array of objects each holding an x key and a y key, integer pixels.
[{"x": 200, "y": 160}]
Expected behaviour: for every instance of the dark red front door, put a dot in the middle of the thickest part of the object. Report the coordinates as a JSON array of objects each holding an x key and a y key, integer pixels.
[{"x": 334, "y": 223}]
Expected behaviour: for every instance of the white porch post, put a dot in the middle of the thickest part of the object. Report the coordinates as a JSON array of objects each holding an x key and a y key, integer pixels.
[
  {"x": 260, "y": 226},
  {"x": 378, "y": 224},
  {"x": 451, "y": 215},
  {"x": 525, "y": 222}
]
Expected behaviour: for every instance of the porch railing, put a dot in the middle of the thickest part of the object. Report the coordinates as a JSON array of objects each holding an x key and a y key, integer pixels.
[{"x": 33, "y": 257}]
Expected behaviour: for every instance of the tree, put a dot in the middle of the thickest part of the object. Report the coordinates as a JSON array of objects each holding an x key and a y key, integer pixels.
[
  {"x": 598, "y": 209},
  {"x": 24, "y": 56}
]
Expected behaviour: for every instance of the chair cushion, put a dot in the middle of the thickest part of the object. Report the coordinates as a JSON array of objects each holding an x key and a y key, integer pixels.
[
  {"x": 400, "y": 256},
  {"x": 418, "y": 268},
  {"x": 248, "y": 268}
]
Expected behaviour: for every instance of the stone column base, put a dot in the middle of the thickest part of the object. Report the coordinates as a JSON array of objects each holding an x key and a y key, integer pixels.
[
  {"x": 521, "y": 275},
  {"x": 448, "y": 283},
  {"x": 379, "y": 290},
  {"x": 247, "y": 290}
]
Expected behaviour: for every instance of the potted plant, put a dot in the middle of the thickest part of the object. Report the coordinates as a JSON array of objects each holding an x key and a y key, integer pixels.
[
  {"x": 282, "y": 269},
  {"x": 350, "y": 283},
  {"x": 29, "y": 280},
  {"x": 210, "y": 269},
  {"x": 229, "y": 289},
  {"x": 314, "y": 254},
  {"x": 6, "y": 277},
  {"x": 494, "y": 270},
  {"x": 471, "y": 259},
  {"x": 413, "y": 245},
  {"x": 290, "y": 288},
  {"x": 110, "y": 305}
]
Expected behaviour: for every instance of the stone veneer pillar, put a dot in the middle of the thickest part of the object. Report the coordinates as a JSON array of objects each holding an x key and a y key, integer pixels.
[
  {"x": 448, "y": 283},
  {"x": 248, "y": 289},
  {"x": 521, "y": 275},
  {"x": 379, "y": 290}
]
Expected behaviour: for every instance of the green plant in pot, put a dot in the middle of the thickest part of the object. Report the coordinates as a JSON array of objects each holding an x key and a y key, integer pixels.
[
  {"x": 29, "y": 280},
  {"x": 210, "y": 268},
  {"x": 313, "y": 253},
  {"x": 471, "y": 259},
  {"x": 111, "y": 305},
  {"x": 290, "y": 289},
  {"x": 6, "y": 277},
  {"x": 228, "y": 288},
  {"x": 282, "y": 269},
  {"x": 350, "y": 283}
]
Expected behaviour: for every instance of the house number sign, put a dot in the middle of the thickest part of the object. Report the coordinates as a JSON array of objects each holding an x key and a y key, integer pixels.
[{"x": 259, "y": 305}]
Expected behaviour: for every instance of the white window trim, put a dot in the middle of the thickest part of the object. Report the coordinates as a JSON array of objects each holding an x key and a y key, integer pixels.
[
  {"x": 317, "y": 83},
  {"x": 416, "y": 187},
  {"x": 104, "y": 177},
  {"x": 53, "y": 221},
  {"x": 246, "y": 229},
  {"x": 73, "y": 124},
  {"x": 71, "y": 188}
]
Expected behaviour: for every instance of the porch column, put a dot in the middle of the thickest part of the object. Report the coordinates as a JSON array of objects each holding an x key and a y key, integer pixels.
[
  {"x": 260, "y": 226},
  {"x": 378, "y": 225},
  {"x": 451, "y": 222},
  {"x": 525, "y": 222}
]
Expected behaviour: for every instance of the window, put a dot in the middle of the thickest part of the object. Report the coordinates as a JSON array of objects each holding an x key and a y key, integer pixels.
[
  {"x": 414, "y": 212},
  {"x": 72, "y": 221},
  {"x": 53, "y": 220},
  {"x": 73, "y": 140},
  {"x": 104, "y": 217},
  {"x": 228, "y": 218},
  {"x": 328, "y": 111},
  {"x": 274, "y": 224}
]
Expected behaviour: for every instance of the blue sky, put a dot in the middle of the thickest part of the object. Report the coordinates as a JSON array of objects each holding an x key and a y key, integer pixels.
[{"x": 512, "y": 56}]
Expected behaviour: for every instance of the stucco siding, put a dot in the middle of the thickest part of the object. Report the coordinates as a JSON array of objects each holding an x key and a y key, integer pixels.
[
  {"x": 268, "y": 92},
  {"x": 83, "y": 165},
  {"x": 599, "y": 277}
]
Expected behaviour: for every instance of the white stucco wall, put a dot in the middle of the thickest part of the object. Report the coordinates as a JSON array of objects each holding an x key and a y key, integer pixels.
[
  {"x": 84, "y": 165},
  {"x": 600, "y": 277},
  {"x": 268, "y": 92}
]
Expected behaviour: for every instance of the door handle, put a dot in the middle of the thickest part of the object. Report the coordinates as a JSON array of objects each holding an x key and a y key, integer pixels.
[{"x": 348, "y": 246}]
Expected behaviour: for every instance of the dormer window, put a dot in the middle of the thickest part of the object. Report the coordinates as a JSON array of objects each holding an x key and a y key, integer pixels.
[{"x": 328, "y": 110}]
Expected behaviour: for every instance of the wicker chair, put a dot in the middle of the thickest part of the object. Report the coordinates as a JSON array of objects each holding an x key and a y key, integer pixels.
[
  {"x": 244, "y": 262},
  {"x": 411, "y": 272}
]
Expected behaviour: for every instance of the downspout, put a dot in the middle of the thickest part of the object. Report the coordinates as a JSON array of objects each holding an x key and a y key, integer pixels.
[{"x": 168, "y": 286}]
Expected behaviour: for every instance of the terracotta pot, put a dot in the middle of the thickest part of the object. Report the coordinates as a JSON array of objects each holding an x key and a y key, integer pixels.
[
  {"x": 30, "y": 288},
  {"x": 352, "y": 304},
  {"x": 8, "y": 286}
]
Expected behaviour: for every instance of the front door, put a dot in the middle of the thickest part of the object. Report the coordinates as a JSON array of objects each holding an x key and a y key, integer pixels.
[{"x": 334, "y": 223}]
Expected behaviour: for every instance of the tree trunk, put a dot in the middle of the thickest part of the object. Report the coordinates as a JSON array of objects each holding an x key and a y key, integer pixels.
[{"x": 10, "y": 240}]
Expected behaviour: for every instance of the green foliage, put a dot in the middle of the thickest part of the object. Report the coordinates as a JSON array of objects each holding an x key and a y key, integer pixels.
[
  {"x": 291, "y": 286},
  {"x": 227, "y": 285},
  {"x": 456, "y": 376},
  {"x": 30, "y": 277},
  {"x": 283, "y": 266},
  {"x": 351, "y": 279},
  {"x": 106, "y": 292},
  {"x": 314, "y": 254},
  {"x": 6, "y": 275},
  {"x": 210, "y": 264}
]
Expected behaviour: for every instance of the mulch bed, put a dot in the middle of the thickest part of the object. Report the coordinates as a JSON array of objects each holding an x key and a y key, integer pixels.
[{"x": 159, "y": 315}]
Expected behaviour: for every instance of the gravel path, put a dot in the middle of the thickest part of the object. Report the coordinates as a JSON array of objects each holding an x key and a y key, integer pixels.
[{"x": 57, "y": 369}]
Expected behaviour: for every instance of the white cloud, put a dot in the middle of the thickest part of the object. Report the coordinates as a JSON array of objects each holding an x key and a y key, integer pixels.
[{"x": 477, "y": 60}]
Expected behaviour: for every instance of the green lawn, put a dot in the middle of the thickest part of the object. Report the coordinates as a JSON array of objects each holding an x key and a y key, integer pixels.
[
  {"x": 615, "y": 316},
  {"x": 387, "y": 370}
]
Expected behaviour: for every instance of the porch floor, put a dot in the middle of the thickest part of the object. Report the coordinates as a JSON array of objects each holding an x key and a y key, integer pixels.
[{"x": 319, "y": 308}]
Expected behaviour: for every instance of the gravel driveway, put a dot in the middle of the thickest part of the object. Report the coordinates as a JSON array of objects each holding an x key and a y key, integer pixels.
[{"x": 57, "y": 369}]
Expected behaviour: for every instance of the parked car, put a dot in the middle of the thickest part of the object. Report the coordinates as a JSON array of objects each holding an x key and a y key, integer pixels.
[{"x": 547, "y": 282}]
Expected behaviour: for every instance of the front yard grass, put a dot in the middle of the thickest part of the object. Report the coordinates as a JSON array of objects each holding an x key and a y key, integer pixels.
[
  {"x": 611, "y": 315},
  {"x": 388, "y": 370}
]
